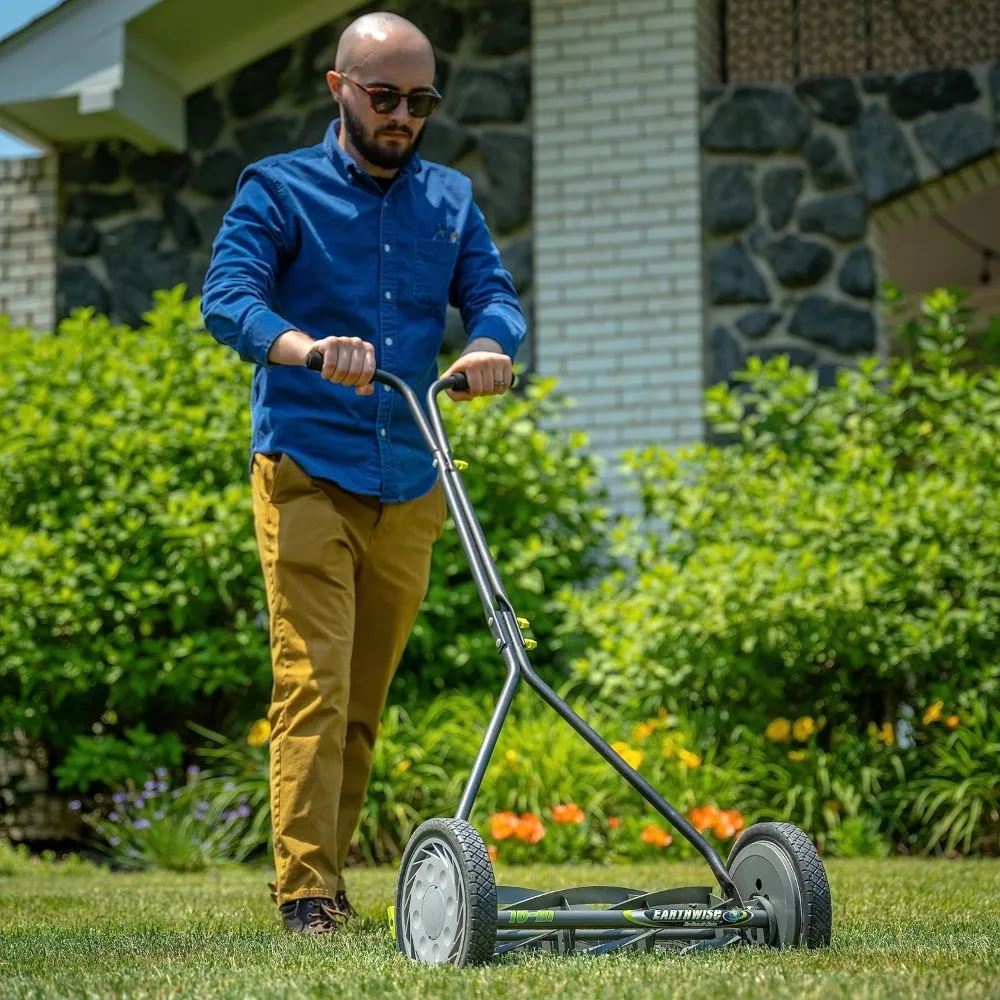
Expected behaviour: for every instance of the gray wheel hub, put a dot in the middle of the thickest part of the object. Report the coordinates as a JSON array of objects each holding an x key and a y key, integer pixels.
[
  {"x": 434, "y": 904},
  {"x": 764, "y": 869}
]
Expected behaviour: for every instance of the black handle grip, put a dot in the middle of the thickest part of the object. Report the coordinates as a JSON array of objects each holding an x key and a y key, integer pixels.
[{"x": 314, "y": 360}]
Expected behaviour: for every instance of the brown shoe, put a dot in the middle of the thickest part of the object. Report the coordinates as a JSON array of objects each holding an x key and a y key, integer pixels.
[
  {"x": 314, "y": 915},
  {"x": 344, "y": 905}
]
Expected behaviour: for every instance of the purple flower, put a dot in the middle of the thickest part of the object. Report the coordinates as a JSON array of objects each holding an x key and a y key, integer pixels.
[
  {"x": 118, "y": 798},
  {"x": 193, "y": 770},
  {"x": 228, "y": 786},
  {"x": 161, "y": 786},
  {"x": 139, "y": 803},
  {"x": 113, "y": 816},
  {"x": 202, "y": 806},
  {"x": 141, "y": 824},
  {"x": 149, "y": 784},
  {"x": 243, "y": 812},
  {"x": 158, "y": 814},
  {"x": 175, "y": 794},
  {"x": 75, "y": 804},
  {"x": 114, "y": 841},
  {"x": 161, "y": 772}
]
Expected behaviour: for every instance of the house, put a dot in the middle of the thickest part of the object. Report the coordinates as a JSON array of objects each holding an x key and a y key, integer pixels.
[{"x": 674, "y": 184}]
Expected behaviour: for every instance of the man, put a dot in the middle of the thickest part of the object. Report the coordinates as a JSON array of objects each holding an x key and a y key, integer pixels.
[{"x": 354, "y": 248}]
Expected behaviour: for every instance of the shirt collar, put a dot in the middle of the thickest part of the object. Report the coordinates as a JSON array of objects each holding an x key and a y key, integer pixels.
[{"x": 345, "y": 164}]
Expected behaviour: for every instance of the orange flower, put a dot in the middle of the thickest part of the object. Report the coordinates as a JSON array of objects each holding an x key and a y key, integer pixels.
[
  {"x": 569, "y": 813},
  {"x": 703, "y": 817},
  {"x": 492, "y": 852},
  {"x": 723, "y": 829},
  {"x": 614, "y": 822},
  {"x": 951, "y": 722},
  {"x": 652, "y": 834},
  {"x": 735, "y": 817},
  {"x": 530, "y": 828},
  {"x": 503, "y": 825}
]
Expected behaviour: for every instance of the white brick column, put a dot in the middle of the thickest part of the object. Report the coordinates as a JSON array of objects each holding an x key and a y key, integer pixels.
[
  {"x": 617, "y": 214},
  {"x": 28, "y": 241}
]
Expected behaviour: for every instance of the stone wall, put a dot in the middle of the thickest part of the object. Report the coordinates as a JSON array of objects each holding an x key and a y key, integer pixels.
[
  {"x": 131, "y": 223},
  {"x": 791, "y": 176},
  {"x": 27, "y": 240},
  {"x": 28, "y": 812}
]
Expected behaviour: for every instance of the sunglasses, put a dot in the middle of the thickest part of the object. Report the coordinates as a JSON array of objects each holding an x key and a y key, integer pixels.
[{"x": 385, "y": 100}]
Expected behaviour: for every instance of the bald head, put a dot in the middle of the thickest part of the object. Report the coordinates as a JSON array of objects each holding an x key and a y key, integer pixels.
[
  {"x": 384, "y": 72},
  {"x": 380, "y": 35}
]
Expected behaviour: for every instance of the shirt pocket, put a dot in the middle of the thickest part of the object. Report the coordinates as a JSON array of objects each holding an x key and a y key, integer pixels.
[{"x": 433, "y": 268}]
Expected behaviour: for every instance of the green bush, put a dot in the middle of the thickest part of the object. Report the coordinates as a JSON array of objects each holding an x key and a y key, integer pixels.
[
  {"x": 839, "y": 558},
  {"x": 129, "y": 581},
  {"x": 130, "y": 588},
  {"x": 17, "y": 861}
]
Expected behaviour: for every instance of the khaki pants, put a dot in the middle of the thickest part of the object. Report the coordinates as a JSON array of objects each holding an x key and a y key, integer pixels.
[{"x": 345, "y": 577}]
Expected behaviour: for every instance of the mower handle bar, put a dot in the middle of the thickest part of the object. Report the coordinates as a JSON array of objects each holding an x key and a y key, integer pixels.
[{"x": 458, "y": 382}]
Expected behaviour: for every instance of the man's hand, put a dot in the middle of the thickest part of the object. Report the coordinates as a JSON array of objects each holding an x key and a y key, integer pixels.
[
  {"x": 347, "y": 361},
  {"x": 489, "y": 371}
]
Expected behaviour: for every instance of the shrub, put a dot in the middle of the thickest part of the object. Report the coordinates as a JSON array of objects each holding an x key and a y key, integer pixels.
[
  {"x": 187, "y": 827},
  {"x": 953, "y": 799},
  {"x": 130, "y": 587},
  {"x": 839, "y": 558},
  {"x": 17, "y": 861}
]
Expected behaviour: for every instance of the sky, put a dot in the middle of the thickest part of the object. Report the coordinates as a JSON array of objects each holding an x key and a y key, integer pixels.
[{"x": 13, "y": 14}]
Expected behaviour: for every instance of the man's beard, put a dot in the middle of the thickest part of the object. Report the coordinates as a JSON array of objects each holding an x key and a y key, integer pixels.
[{"x": 376, "y": 155}]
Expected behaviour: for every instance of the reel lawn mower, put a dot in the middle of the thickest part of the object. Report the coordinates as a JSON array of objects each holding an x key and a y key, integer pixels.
[{"x": 771, "y": 891}]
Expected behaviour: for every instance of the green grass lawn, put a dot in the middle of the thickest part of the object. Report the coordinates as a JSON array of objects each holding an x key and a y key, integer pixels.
[{"x": 906, "y": 929}]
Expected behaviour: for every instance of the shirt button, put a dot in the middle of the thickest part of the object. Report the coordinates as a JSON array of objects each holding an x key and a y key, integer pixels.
[
  {"x": 388, "y": 295},
  {"x": 387, "y": 387},
  {"x": 388, "y": 341},
  {"x": 387, "y": 248},
  {"x": 383, "y": 432}
]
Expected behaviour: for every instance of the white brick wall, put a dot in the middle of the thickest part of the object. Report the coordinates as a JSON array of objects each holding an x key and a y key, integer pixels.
[
  {"x": 617, "y": 228},
  {"x": 27, "y": 241}
]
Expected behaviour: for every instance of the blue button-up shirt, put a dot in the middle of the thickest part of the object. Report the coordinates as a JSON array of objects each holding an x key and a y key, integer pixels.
[{"x": 312, "y": 243}]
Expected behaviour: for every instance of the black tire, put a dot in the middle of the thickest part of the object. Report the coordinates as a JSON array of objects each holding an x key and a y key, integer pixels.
[
  {"x": 476, "y": 927},
  {"x": 761, "y": 847}
]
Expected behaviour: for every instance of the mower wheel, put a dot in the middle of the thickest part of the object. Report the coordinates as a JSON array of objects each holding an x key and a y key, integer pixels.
[
  {"x": 446, "y": 896},
  {"x": 778, "y": 862}
]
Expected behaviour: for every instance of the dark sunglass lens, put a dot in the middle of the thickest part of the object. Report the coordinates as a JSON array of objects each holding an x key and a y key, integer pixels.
[
  {"x": 385, "y": 101},
  {"x": 421, "y": 105}
]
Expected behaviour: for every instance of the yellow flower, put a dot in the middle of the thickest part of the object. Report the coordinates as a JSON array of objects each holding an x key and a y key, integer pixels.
[
  {"x": 778, "y": 730},
  {"x": 933, "y": 713},
  {"x": 643, "y": 731},
  {"x": 512, "y": 758},
  {"x": 631, "y": 757},
  {"x": 797, "y": 755},
  {"x": 952, "y": 721},
  {"x": 887, "y": 734},
  {"x": 688, "y": 759},
  {"x": 403, "y": 765},
  {"x": 260, "y": 733},
  {"x": 832, "y": 805},
  {"x": 803, "y": 728}
]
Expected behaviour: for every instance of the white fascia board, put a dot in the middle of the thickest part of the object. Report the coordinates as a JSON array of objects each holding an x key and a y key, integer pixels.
[{"x": 68, "y": 44}]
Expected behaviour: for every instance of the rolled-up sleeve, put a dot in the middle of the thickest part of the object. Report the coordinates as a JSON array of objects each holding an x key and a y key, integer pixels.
[
  {"x": 483, "y": 291},
  {"x": 236, "y": 297}
]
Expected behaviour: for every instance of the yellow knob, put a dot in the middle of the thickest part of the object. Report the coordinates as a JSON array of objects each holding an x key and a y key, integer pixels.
[
  {"x": 523, "y": 623},
  {"x": 530, "y": 643},
  {"x": 460, "y": 465}
]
